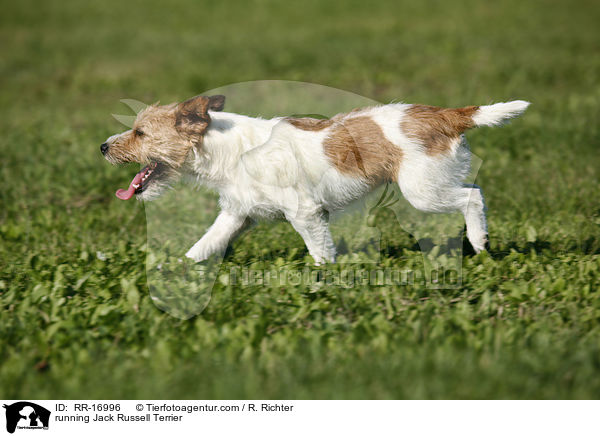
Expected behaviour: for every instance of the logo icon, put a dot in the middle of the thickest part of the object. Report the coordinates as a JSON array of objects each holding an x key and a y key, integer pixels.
[{"x": 26, "y": 415}]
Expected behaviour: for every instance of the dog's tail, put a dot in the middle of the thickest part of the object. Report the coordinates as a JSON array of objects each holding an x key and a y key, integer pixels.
[
  {"x": 429, "y": 124},
  {"x": 497, "y": 114}
]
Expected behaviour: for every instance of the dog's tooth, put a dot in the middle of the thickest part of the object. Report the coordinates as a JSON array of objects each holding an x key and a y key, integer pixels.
[{"x": 136, "y": 186}]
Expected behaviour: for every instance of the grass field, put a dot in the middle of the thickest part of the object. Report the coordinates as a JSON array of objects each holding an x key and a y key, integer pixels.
[{"x": 76, "y": 317}]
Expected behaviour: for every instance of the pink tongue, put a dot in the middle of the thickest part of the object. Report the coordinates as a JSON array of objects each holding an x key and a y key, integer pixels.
[{"x": 127, "y": 194}]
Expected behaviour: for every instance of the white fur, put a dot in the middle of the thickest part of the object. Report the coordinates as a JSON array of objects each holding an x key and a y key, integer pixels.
[
  {"x": 269, "y": 168},
  {"x": 496, "y": 114}
]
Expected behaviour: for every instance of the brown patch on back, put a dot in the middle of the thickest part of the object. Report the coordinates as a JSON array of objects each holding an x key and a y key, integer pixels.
[
  {"x": 357, "y": 147},
  {"x": 435, "y": 127},
  {"x": 315, "y": 124},
  {"x": 309, "y": 124}
]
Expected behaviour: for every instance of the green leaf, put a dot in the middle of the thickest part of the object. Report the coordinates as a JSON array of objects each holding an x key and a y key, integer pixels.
[{"x": 531, "y": 234}]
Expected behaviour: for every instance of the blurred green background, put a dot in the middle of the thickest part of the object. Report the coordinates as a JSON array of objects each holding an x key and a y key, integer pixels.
[{"x": 76, "y": 317}]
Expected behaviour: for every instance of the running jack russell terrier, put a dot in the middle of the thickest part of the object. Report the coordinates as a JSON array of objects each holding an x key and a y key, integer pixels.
[{"x": 302, "y": 168}]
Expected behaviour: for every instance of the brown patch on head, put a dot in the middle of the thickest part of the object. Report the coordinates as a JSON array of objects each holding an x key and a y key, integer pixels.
[
  {"x": 165, "y": 133},
  {"x": 191, "y": 116},
  {"x": 435, "y": 127},
  {"x": 124, "y": 148},
  {"x": 357, "y": 147}
]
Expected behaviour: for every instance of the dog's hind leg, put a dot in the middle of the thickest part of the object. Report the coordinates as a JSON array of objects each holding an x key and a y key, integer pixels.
[
  {"x": 435, "y": 184},
  {"x": 225, "y": 228},
  {"x": 465, "y": 198},
  {"x": 473, "y": 208},
  {"x": 314, "y": 229}
]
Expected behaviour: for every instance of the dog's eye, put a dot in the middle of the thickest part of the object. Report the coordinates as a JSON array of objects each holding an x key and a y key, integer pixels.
[{"x": 138, "y": 132}]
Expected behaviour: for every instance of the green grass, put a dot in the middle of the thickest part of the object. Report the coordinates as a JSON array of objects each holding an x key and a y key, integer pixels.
[{"x": 524, "y": 324}]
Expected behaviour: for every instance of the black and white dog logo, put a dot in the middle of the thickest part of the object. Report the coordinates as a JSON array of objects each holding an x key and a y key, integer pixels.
[{"x": 26, "y": 415}]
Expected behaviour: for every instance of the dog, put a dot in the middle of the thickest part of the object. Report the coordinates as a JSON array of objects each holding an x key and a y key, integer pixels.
[{"x": 303, "y": 168}]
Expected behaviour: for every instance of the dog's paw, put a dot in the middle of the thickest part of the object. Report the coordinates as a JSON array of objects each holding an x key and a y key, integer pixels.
[
  {"x": 195, "y": 255},
  {"x": 481, "y": 246},
  {"x": 323, "y": 260}
]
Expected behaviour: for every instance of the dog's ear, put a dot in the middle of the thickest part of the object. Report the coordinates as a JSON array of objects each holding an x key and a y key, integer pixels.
[
  {"x": 216, "y": 103},
  {"x": 191, "y": 116}
]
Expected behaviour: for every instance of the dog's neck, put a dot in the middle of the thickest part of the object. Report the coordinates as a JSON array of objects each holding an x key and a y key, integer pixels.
[{"x": 216, "y": 160}]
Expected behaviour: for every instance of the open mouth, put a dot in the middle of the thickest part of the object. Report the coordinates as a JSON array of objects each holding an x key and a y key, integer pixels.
[{"x": 140, "y": 181}]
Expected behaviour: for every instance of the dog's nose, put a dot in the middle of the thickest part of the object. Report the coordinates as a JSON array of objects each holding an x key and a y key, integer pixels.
[{"x": 104, "y": 148}]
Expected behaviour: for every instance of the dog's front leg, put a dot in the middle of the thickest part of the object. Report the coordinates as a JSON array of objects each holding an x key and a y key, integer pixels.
[
  {"x": 215, "y": 240},
  {"x": 314, "y": 229}
]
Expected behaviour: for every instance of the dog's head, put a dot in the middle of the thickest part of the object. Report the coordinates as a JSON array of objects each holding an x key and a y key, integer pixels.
[{"x": 161, "y": 139}]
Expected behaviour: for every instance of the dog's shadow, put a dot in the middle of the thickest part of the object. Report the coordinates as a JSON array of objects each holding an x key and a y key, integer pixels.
[{"x": 590, "y": 246}]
